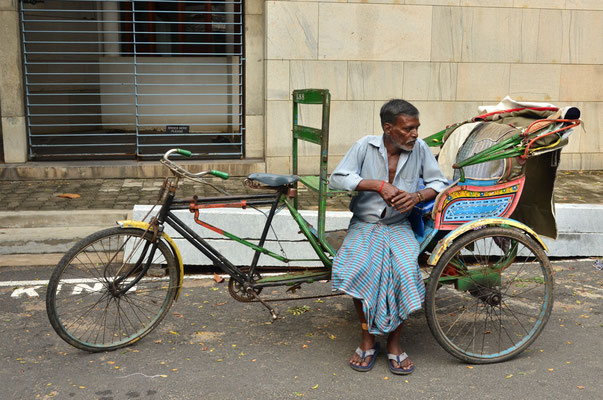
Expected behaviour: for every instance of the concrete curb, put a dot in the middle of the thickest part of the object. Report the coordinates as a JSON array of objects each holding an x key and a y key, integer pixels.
[{"x": 43, "y": 232}]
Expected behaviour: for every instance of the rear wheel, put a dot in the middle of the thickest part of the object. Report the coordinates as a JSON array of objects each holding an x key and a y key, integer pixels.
[
  {"x": 490, "y": 295},
  {"x": 89, "y": 301}
]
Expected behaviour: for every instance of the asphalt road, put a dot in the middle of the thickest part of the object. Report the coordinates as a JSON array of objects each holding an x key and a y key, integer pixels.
[{"x": 212, "y": 347}]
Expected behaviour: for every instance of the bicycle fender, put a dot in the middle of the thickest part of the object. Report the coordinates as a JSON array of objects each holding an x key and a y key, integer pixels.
[
  {"x": 175, "y": 251},
  {"x": 445, "y": 242}
]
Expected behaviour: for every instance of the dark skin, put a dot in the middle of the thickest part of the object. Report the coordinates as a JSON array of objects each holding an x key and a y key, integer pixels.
[{"x": 397, "y": 137}]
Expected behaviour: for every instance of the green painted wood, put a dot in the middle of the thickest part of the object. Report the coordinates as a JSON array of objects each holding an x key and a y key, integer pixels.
[
  {"x": 308, "y": 134},
  {"x": 313, "y": 182},
  {"x": 309, "y": 96}
]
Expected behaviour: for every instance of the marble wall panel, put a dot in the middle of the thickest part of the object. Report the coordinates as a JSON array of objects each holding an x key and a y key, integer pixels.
[
  {"x": 534, "y": 82},
  {"x": 277, "y": 80},
  {"x": 581, "y": 83},
  {"x": 350, "y": 120},
  {"x": 482, "y": 82},
  {"x": 410, "y": 2},
  {"x": 487, "y": 3},
  {"x": 278, "y": 128},
  {"x": 588, "y": 137},
  {"x": 320, "y": 74},
  {"x": 14, "y": 138},
  {"x": 430, "y": 81},
  {"x": 254, "y": 7},
  {"x": 555, "y": 4},
  {"x": 278, "y": 165},
  {"x": 369, "y": 80},
  {"x": 436, "y": 115},
  {"x": 254, "y": 136},
  {"x": 291, "y": 30},
  {"x": 491, "y": 35},
  {"x": 11, "y": 74},
  {"x": 254, "y": 64},
  {"x": 584, "y": 4},
  {"x": 583, "y": 33},
  {"x": 434, "y": 2},
  {"x": 447, "y": 34},
  {"x": 575, "y": 161},
  {"x": 9, "y": 5},
  {"x": 353, "y": 32}
]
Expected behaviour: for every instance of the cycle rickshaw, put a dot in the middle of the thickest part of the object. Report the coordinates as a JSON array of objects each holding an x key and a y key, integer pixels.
[{"x": 489, "y": 282}]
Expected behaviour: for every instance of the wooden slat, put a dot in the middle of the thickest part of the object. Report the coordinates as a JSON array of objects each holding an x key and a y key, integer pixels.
[{"x": 306, "y": 133}]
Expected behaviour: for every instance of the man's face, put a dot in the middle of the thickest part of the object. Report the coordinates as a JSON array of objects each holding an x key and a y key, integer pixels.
[{"x": 404, "y": 133}]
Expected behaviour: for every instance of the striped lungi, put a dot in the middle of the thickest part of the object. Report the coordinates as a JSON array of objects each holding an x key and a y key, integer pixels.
[{"x": 378, "y": 264}]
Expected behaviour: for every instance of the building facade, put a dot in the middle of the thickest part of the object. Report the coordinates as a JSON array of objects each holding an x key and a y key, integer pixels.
[{"x": 223, "y": 71}]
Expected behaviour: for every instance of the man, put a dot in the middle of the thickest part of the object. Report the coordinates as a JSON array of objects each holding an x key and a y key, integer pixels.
[{"x": 377, "y": 262}]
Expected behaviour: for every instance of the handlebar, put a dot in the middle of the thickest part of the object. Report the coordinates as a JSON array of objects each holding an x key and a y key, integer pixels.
[{"x": 181, "y": 171}]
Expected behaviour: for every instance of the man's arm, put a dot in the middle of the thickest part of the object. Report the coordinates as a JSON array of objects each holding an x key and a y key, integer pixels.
[{"x": 346, "y": 175}]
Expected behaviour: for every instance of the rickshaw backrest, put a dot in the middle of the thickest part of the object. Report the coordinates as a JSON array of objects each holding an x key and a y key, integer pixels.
[
  {"x": 472, "y": 200},
  {"x": 318, "y": 136}
]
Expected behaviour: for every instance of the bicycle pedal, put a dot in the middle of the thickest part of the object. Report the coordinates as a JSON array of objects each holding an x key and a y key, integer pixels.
[{"x": 294, "y": 288}]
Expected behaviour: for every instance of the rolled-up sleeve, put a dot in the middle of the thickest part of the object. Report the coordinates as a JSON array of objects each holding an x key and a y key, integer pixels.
[
  {"x": 346, "y": 175},
  {"x": 432, "y": 174}
]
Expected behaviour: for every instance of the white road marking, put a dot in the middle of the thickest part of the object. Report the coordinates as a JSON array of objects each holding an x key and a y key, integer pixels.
[{"x": 30, "y": 288}]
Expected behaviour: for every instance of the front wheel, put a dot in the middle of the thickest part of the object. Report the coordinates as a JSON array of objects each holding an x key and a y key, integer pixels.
[
  {"x": 94, "y": 301},
  {"x": 490, "y": 295}
]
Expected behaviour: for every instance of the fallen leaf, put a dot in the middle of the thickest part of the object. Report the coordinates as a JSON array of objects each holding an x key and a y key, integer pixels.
[
  {"x": 315, "y": 386},
  {"x": 218, "y": 278},
  {"x": 508, "y": 376},
  {"x": 69, "y": 195},
  {"x": 580, "y": 387},
  {"x": 174, "y": 333},
  {"x": 469, "y": 366}
]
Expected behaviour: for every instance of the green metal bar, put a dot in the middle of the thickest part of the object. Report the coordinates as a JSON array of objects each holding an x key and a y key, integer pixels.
[
  {"x": 324, "y": 156},
  {"x": 294, "y": 150},
  {"x": 487, "y": 154},
  {"x": 308, "y": 234},
  {"x": 245, "y": 242},
  {"x": 436, "y": 140}
]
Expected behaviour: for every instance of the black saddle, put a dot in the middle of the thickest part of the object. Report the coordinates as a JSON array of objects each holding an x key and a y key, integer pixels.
[{"x": 273, "y": 180}]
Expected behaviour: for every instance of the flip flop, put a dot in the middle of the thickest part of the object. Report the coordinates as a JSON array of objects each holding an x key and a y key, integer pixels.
[
  {"x": 399, "y": 358},
  {"x": 363, "y": 355}
]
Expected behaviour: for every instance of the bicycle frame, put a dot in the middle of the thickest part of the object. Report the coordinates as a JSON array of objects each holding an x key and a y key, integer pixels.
[{"x": 166, "y": 216}]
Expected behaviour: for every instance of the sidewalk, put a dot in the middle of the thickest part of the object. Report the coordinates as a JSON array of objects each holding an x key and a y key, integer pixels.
[{"x": 580, "y": 187}]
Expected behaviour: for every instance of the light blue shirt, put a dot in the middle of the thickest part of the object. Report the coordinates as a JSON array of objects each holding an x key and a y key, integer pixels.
[{"x": 367, "y": 159}]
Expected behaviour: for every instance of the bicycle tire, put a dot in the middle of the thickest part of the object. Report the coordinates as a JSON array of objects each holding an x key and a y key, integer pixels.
[
  {"x": 83, "y": 303},
  {"x": 494, "y": 319}
]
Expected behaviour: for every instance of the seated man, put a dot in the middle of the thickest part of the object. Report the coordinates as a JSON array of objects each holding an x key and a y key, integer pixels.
[{"x": 377, "y": 262}]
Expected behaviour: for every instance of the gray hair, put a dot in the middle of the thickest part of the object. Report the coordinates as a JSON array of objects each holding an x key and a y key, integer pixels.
[{"x": 390, "y": 111}]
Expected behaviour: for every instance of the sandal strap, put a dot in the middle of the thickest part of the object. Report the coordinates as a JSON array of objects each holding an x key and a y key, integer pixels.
[
  {"x": 364, "y": 354},
  {"x": 397, "y": 358}
]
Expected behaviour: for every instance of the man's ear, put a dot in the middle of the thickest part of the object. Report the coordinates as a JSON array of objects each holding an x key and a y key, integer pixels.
[{"x": 387, "y": 127}]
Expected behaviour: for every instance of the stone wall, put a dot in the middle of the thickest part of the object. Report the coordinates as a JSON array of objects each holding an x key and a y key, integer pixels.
[
  {"x": 12, "y": 108},
  {"x": 446, "y": 56}
]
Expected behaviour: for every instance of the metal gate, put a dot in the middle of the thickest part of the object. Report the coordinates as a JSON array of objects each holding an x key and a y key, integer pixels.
[{"x": 131, "y": 79}]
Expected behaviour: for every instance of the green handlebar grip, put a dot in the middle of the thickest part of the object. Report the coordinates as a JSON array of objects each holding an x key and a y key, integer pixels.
[
  {"x": 184, "y": 152},
  {"x": 219, "y": 174}
]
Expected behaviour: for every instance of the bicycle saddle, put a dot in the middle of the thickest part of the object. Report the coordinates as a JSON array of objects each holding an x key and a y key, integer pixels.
[{"x": 273, "y": 179}]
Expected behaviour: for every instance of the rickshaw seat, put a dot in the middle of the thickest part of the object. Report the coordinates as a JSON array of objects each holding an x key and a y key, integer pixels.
[{"x": 273, "y": 180}]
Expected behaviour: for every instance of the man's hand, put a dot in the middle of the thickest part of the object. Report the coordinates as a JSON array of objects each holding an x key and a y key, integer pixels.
[
  {"x": 404, "y": 201},
  {"x": 399, "y": 199}
]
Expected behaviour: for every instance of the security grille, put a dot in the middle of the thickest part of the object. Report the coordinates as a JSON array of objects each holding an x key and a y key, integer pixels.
[{"x": 131, "y": 79}]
